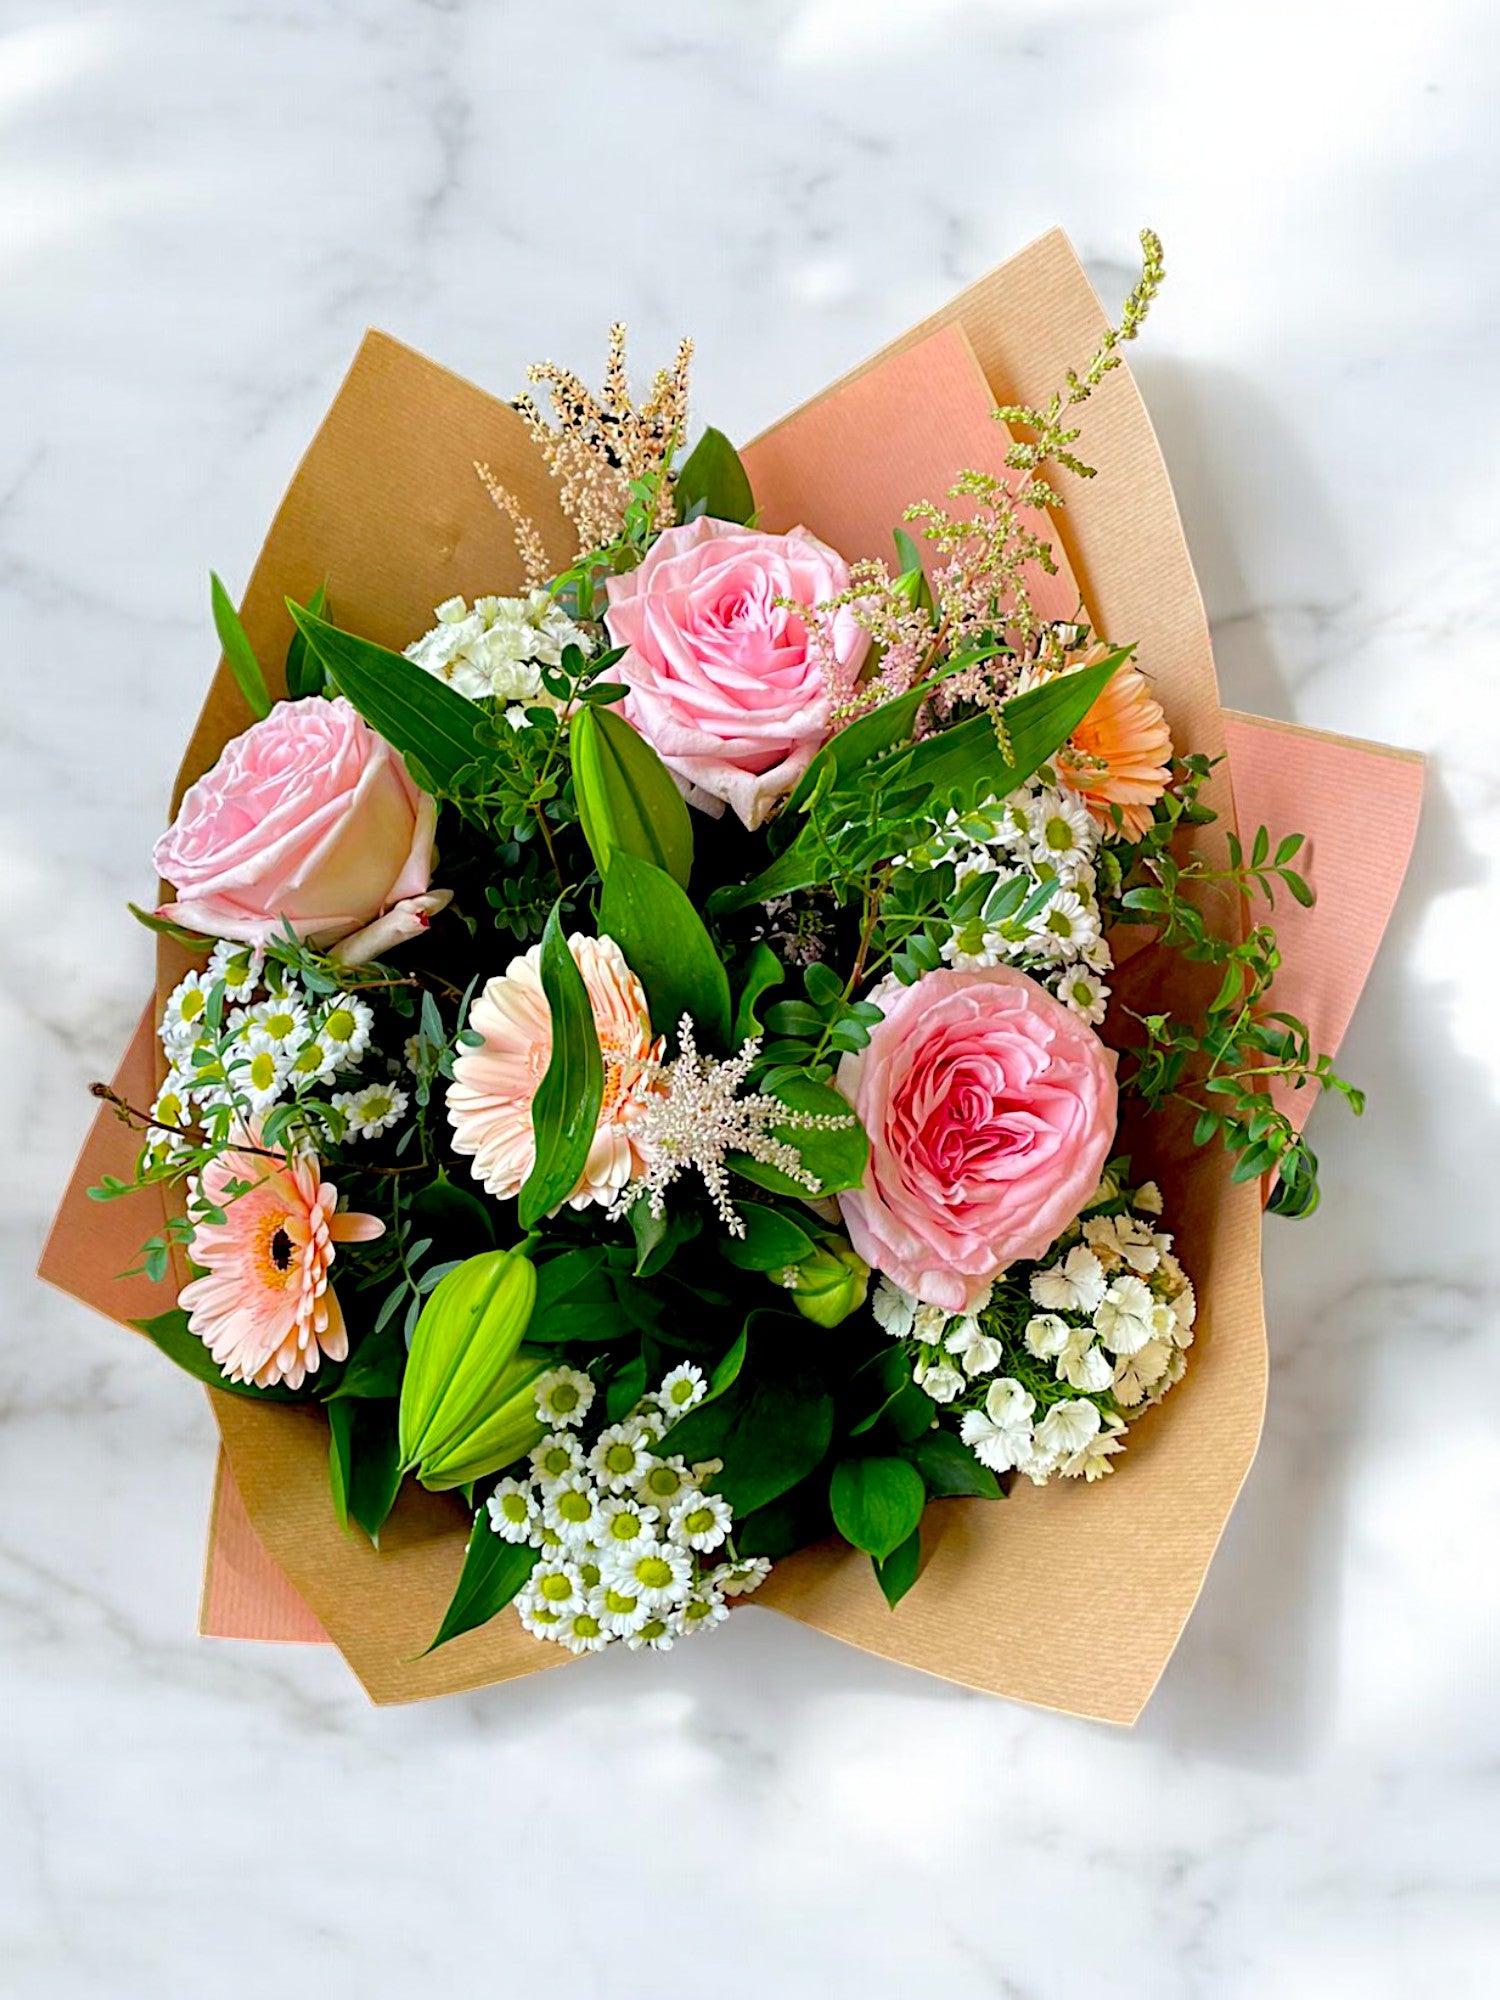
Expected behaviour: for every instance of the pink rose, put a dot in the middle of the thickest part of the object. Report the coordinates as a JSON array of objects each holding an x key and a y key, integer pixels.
[
  {"x": 990, "y": 1110},
  {"x": 726, "y": 685},
  {"x": 308, "y": 818}
]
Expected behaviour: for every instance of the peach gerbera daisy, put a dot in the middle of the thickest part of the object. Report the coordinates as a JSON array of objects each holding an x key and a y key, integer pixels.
[
  {"x": 1121, "y": 752},
  {"x": 489, "y": 1099},
  {"x": 264, "y": 1307}
]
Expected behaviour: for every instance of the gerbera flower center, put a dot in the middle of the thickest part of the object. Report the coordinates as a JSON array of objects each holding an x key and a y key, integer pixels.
[{"x": 281, "y": 1249}]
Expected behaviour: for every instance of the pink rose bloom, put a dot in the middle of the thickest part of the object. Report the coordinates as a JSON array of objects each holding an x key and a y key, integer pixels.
[
  {"x": 991, "y": 1111},
  {"x": 726, "y": 685},
  {"x": 308, "y": 818}
]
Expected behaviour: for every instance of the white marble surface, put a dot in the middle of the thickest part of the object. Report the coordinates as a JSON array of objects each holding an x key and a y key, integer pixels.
[{"x": 202, "y": 204}]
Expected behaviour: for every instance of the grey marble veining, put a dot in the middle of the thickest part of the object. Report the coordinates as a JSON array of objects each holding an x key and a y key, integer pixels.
[{"x": 202, "y": 204}]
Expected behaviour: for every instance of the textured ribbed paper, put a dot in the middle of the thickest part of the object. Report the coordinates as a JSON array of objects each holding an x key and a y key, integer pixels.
[{"x": 1069, "y": 1597}]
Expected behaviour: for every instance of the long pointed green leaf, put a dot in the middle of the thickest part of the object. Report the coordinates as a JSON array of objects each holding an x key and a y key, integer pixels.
[
  {"x": 493, "y": 1572},
  {"x": 626, "y": 798},
  {"x": 238, "y": 651},
  {"x": 565, "y": 1110},
  {"x": 667, "y": 946},
  {"x": 960, "y": 767},
  {"x": 713, "y": 481},
  {"x": 415, "y": 713}
]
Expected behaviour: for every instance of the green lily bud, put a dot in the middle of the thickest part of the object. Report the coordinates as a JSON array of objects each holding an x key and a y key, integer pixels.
[
  {"x": 829, "y": 1283},
  {"x": 467, "y": 1398}
]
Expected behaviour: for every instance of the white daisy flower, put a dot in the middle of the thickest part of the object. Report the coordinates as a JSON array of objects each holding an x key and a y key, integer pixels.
[
  {"x": 371, "y": 1111},
  {"x": 1077, "y": 1284},
  {"x": 345, "y": 1030},
  {"x": 555, "y": 1582},
  {"x": 563, "y": 1396},
  {"x": 1062, "y": 834},
  {"x": 657, "y": 1631},
  {"x": 1084, "y": 993},
  {"x": 700, "y": 1521},
  {"x": 940, "y": 1381},
  {"x": 625, "y": 1524},
  {"x": 664, "y": 1482},
  {"x": 739, "y": 1578},
  {"x": 313, "y": 1063},
  {"x": 978, "y": 1353},
  {"x": 1124, "y": 1320},
  {"x": 238, "y": 965},
  {"x": 258, "y": 1075},
  {"x": 684, "y": 1387},
  {"x": 703, "y": 1610},
  {"x": 512, "y": 1510},
  {"x": 657, "y": 1575},
  {"x": 999, "y": 1435},
  {"x": 571, "y": 1510},
  {"x": 620, "y": 1456},
  {"x": 279, "y": 1024},
  {"x": 1066, "y": 925},
  {"x": 183, "y": 1017},
  {"x": 618, "y": 1611},
  {"x": 555, "y": 1457},
  {"x": 583, "y": 1631}
]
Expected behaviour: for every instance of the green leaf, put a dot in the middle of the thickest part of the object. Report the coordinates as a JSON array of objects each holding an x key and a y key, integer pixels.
[
  {"x": 961, "y": 768},
  {"x": 713, "y": 481},
  {"x": 626, "y": 798},
  {"x": 763, "y": 973},
  {"x": 179, "y": 1343},
  {"x": 377, "y": 1365},
  {"x": 364, "y": 1463},
  {"x": 869, "y": 735},
  {"x": 565, "y": 1110},
  {"x": 238, "y": 651},
  {"x": 837, "y": 1157},
  {"x": 901, "y": 1568},
  {"x": 950, "y": 1471},
  {"x": 455, "y": 1216},
  {"x": 877, "y": 1503},
  {"x": 791, "y": 1521},
  {"x": 493, "y": 1572},
  {"x": 723, "y": 1377},
  {"x": 625, "y": 1389},
  {"x": 164, "y": 927},
  {"x": 415, "y": 712},
  {"x": 667, "y": 946},
  {"x": 771, "y": 1423},
  {"x": 964, "y": 767},
  {"x": 304, "y": 673},
  {"x": 771, "y": 1240}
]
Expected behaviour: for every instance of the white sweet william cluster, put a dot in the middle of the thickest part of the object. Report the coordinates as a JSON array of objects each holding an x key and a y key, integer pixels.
[
  {"x": 246, "y": 1033},
  {"x": 499, "y": 649},
  {"x": 1036, "y": 853},
  {"x": 631, "y": 1544},
  {"x": 1045, "y": 1377}
]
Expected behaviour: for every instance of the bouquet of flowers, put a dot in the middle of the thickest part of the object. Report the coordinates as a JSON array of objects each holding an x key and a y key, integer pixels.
[{"x": 690, "y": 1057}]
